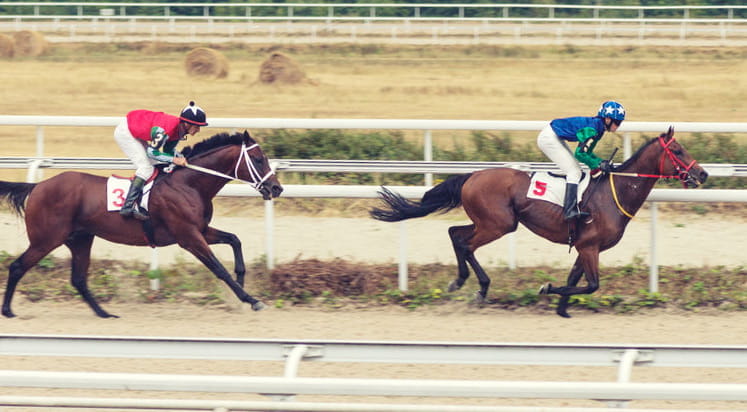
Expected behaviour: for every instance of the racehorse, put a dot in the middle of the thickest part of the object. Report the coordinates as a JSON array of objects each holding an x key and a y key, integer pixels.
[
  {"x": 496, "y": 201},
  {"x": 70, "y": 209}
]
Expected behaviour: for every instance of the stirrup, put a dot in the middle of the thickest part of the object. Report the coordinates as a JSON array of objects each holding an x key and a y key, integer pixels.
[{"x": 140, "y": 214}]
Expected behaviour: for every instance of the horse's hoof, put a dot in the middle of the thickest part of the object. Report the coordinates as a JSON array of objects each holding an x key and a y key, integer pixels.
[
  {"x": 479, "y": 298},
  {"x": 453, "y": 286},
  {"x": 563, "y": 314},
  {"x": 257, "y": 306},
  {"x": 544, "y": 289},
  {"x": 8, "y": 314}
]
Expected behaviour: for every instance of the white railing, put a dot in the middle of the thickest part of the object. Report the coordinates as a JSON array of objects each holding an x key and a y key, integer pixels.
[
  {"x": 292, "y": 352},
  {"x": 379, "y": 23},
  {"x": 428, "y": 166},
  {"x": 368, "y": 11}
]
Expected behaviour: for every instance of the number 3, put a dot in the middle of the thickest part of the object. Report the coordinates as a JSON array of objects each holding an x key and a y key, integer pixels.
[
  {"x": 119, "y": 197},
  {"x": 539, "y": 188}
]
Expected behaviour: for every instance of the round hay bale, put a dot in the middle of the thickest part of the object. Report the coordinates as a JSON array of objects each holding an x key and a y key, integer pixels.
[
  {"x": 279, "y": 68},
  {"x": 29, "y": 43},
  {"x": 7, "y": 45},
  {"x": 206, "y": 62}
]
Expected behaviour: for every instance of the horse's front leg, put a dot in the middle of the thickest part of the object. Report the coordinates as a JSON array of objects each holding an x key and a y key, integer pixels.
[
  {"x": 214, "y": 236},
  {"x": 193, "y": 242},
  {"x": 573, "y": 277},
  {"x": 587, "y": 263}
]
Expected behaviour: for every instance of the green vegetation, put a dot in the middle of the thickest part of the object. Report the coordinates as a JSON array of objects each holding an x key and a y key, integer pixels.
[
  {"x": 343, "y": 284},
  {"x": 482, "y": 146}
]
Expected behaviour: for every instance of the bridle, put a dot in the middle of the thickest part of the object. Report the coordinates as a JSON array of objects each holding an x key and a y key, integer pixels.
[
  {"x": 682, "y": 172},
  {"x": 681, "y": 169},
  {"x": 256, "y": 178}
]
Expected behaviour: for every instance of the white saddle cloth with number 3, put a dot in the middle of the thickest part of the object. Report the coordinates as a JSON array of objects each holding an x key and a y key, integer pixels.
[
  {"x": 551, "y": 187},
  {"x": 116, "y": 192}
]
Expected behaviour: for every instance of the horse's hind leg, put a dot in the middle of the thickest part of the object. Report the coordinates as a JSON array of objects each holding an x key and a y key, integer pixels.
[
  {"x": 460, "y": 236},
  {"x": 214, "y": 236},
  {"x": 79, "y": 244},
  {"x": 17, "y": 269}
]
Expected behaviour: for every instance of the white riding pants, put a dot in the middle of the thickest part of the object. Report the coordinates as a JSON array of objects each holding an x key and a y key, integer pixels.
[
  {"x": 134, "y": 149},
  {"x": 558, "y": 151}
]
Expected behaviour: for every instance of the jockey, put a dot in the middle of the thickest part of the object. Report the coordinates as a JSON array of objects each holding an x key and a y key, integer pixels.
[
  {"x": 150, "y": 138},
  {"x": 587, "y": 131}
]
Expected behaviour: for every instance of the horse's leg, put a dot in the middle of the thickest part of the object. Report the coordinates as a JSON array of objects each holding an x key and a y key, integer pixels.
[
  {"x": 480, "y": 237},
  {"x": 573, "y": 277},
  {"x": 18, "y": 268},
  {"x": 460, "y": 236},
  {"x": 193, "y": 242},
  {"x": 80, "y": 244},
  {"x": 214, "y": 236},
  {"x": 589, "y": 266}
]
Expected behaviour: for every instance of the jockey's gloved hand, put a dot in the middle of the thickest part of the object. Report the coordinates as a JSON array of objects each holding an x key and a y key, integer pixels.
[
  {"x": 605, "y": 166},
  {"x": 595, "y": 173}
]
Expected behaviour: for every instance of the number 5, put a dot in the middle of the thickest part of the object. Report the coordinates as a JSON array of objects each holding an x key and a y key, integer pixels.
[{"x": 539, "y": 188}]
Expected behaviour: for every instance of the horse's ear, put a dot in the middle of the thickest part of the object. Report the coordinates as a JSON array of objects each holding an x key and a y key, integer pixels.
[
  {"x": 670, "y": 132},
  {"x": 247, "y": 138}
]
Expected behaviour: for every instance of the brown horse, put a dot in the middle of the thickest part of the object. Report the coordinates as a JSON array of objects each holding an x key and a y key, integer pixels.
[
  {"x": 496, "y": 201},
  {"x": 70, "y": 209}
]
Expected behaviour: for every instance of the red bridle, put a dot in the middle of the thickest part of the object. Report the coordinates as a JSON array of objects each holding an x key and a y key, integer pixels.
[{"x": 680, "y": 167}]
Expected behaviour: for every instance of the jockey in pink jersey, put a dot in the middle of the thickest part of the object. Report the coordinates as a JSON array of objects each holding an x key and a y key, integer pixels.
[{"x": 149, "y": 138}]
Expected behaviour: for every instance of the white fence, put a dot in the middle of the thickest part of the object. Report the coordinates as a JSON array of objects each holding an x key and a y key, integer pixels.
[
  {"x": 428, "y": 166},
  {"x": 625, "y": 357},
  {"x": 380, "y": 23}
]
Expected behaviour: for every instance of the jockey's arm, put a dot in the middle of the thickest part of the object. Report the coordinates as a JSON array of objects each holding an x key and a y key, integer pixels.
[
  {"x": 587, "y": 141},
  {"x": 163, "y": 150}
]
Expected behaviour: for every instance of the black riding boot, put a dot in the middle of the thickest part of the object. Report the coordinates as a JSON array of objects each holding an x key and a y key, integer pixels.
[
  {"x": 130, "y": 207},
  {"x": 570, "y": 205}
]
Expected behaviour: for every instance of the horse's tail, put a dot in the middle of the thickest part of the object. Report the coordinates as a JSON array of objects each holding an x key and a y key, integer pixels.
[
  {"x": 15, "y": 194},
  {"x": 444, "y": 196}
]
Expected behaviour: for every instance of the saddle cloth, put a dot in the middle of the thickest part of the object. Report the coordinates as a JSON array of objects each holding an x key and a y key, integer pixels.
[
  {"x": 116, "y": 192},
  {"x": 551, "y": 187}
]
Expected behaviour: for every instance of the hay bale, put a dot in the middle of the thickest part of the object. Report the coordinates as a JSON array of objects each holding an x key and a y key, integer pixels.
[
  {"x": 29, "y": 43},
  {"x": 206, "y": 62},
  {"x": 279, "y": 68},
  {"x": 7, "y": 45}
]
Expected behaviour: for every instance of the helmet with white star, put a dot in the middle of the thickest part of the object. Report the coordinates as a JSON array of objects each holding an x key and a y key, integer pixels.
[
  {"x": 193, "y": 114},
  {"x": 613, "y": 110}
]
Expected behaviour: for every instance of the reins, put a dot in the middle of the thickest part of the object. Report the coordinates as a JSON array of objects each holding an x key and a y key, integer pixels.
[{"x": 257, "y": 179}]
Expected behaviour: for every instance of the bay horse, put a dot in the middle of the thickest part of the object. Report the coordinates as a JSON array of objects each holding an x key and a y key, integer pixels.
[
  {"x": 70, "y": 209},
  {"x": 496, "y": 202}
]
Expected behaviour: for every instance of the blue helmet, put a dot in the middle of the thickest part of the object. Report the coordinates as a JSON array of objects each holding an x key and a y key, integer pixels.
[{"x": 613, "y": 110}]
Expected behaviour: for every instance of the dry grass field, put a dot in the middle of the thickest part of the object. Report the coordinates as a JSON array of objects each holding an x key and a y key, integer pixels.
[{"x": 485, "y": 83}]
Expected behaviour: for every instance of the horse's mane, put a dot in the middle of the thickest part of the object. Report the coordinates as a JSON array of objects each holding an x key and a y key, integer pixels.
[
  {"x": 219, "y": 140},
  {"x": 637, "y": 154}
]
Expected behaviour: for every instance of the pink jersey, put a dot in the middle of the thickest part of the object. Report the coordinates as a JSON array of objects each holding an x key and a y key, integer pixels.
[{"x": 141, "y": 122}]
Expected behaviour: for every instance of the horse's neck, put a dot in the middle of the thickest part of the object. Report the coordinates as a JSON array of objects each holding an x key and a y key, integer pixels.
[
  {"x": 209, "y": 184},
  {"x": 632, "y": 191}
]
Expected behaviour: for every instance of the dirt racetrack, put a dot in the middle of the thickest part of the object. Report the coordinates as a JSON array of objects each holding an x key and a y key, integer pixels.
[{"x": 452, "y": 322}]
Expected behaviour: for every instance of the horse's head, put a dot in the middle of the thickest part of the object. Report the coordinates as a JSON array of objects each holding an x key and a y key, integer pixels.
[
  {"x": 676, "y": 161},
  {"x": 257, "y": 169},
  {"x": 236, "y": 156}
]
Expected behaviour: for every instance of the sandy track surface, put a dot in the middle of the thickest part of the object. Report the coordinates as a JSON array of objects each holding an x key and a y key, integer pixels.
[{"x": 452, "y": 322}]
